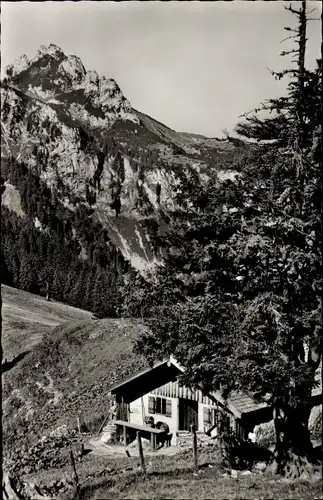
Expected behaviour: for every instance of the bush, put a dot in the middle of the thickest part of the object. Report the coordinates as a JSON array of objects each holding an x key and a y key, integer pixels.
[
  {"x": 239, "y": 453},
  {"x": 265, "y": 434}
]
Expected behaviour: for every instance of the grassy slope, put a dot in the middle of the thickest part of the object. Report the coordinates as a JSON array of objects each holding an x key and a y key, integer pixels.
[
  {"x": 172, "y": 477},
  {"x": 27, "y": 317},
  {"x": 209, "y": 485},
  {"x": 68, "y": 372},
  {"x": 75, "y": 363}
]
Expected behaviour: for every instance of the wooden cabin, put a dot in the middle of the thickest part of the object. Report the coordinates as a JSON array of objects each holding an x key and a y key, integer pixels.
[{"x": 155, "y": 392}]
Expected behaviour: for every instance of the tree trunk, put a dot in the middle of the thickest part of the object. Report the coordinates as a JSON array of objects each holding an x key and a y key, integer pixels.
[
  {"x": 292, "y": 436},
  {"x": 301, "y": 66}
]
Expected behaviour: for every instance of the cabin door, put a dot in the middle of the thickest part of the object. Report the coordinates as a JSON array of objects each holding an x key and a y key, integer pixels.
[
  {"x": 188, "y": 414},
  {"x": 123, "y": 413}
]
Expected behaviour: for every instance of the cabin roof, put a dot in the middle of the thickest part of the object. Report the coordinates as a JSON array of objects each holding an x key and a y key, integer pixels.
[
  {"x": 136, "y": 375},
  {"x": 146, "y": 380},
  {"x": 245, "y": 403},
  {"x": 164, "y": 371}
]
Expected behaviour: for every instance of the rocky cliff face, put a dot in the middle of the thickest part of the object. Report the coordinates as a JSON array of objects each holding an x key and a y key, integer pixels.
[{"x": 85, "y": 141}]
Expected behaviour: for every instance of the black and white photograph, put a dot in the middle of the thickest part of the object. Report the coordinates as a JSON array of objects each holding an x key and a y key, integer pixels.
[{"x": 161, "y": 250}]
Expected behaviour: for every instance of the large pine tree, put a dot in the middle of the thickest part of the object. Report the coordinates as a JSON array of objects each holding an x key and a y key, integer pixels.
[{"x": 238, "y": 298}]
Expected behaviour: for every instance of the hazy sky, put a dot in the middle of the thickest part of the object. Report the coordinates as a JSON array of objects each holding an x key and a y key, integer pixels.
[{"x": 194, "y": 66}]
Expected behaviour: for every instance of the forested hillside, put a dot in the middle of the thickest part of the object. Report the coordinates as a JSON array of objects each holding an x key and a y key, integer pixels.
[{"x": 55, "y": 251}]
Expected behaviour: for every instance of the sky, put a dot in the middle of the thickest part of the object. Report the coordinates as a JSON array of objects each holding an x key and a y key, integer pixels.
[{"x": 194, "y": 66}]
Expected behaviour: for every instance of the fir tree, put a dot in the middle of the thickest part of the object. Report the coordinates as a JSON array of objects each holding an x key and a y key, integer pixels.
[{"x": 238, "y": 298}]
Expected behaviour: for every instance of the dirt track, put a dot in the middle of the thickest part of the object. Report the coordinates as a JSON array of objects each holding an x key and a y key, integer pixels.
[{"x": 100, "y": 449}]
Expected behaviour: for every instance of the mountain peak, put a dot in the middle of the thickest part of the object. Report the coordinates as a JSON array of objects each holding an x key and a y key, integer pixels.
[
  {"x": 22, "y": 62},
  {"x": 51, "y": 50},
  {"x": 54, "y": 76},
  {"x": 73, "y": 67}
]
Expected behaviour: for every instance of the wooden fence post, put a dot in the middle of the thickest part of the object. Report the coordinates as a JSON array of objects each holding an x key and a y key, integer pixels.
[
  {"x": 75, "y": 476},
  {"x": 153, "y": 441},
  {"x": 193, "y": 432},
  {"x": 125, "y": 436},
  {"x": 141, "y": 453},
  {"x": 78, "y": 425}
]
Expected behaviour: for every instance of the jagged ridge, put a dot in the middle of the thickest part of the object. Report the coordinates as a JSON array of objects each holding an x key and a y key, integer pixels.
[
  {"x": 85, "y": 141},
  {"x": 58, "y": 79}
]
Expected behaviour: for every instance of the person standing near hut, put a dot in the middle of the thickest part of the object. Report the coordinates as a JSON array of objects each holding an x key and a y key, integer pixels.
[
  {"x": 110, "y": 433},
  {"x": 114, "y": 410}
]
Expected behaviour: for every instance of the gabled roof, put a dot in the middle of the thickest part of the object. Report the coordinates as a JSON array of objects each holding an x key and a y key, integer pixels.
[
  {"x": 245, "y": 403},
  {"x": 136, "y": 375},
  {"x": 171, "y": 361},
  {"x": 146, "y": 380},
  {"x": 161, "y": 372}
]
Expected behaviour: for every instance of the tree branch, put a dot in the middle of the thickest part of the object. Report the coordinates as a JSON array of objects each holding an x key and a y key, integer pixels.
[
  {"x": 297, "y": 12},
  {"x": 287, "y": 52},
  {"x": 290, "y": 29},
  {"x": 288, "y": 38}
]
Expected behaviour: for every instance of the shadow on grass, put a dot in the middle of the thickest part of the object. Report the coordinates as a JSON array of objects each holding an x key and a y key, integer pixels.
[
  {"x": 8, "y": 365},
  {"x": 126, "y": 480},
  {"x": 180, "y": 482},
  {"x": 86, "y": 451}
]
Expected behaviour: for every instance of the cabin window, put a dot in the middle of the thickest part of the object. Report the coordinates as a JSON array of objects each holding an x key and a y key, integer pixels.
[
  {"x": 209, "y": 416},
  {"x": 161, "y": 406}
]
